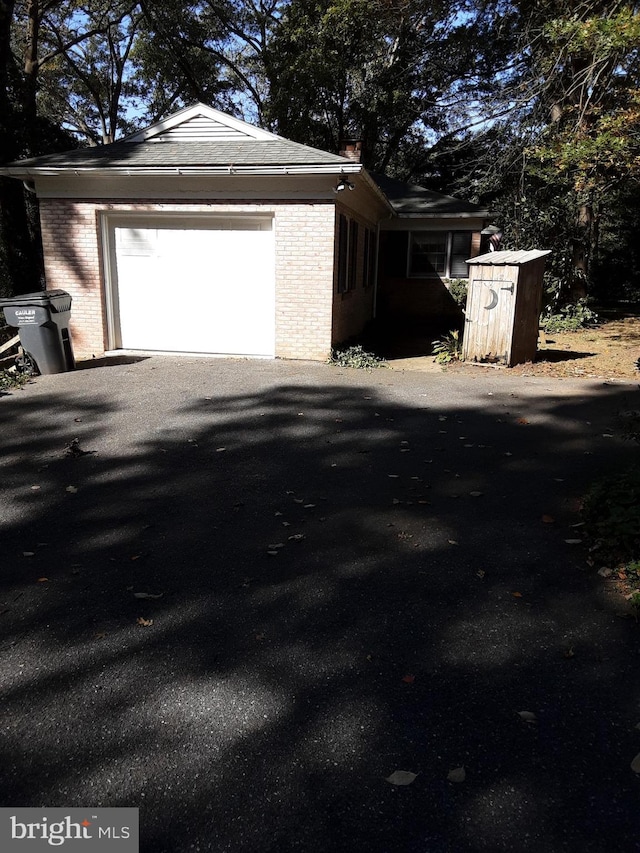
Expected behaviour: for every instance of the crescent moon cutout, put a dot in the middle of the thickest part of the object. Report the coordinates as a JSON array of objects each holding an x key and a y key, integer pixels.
[{"x": 494, "y": 300}]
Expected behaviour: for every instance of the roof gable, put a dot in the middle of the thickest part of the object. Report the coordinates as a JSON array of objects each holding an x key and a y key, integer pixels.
[{"x": 201, "y": 123}]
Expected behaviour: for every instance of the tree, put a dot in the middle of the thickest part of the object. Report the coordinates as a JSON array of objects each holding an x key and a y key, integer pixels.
[{"x": 390, "y": 72}]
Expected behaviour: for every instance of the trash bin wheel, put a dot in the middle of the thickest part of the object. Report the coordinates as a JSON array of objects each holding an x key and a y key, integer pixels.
[{"x": 25, "y": 363}]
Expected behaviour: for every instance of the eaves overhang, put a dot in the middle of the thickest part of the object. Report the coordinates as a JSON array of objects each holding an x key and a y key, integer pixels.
[
  {"x": 33, "y": 172},
  {"x": 476, "y": 214}
]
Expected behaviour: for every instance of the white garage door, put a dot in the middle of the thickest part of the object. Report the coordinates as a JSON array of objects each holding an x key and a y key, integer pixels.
[{"x": 196, "y": 287}]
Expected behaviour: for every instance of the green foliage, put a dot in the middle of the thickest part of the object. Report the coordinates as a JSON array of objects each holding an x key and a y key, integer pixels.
[
  {"x": 569, "y": 318},
  {"x": 458, "y": 288},
  {"x": 632, "y": 569},
  {"x": 448, "y": 348},
  {"x": 357, "y": 357},
  {"x": 612, "y": 514},
  {"x": 634, "y": 601},
  {"x": 10, "y": 379}
]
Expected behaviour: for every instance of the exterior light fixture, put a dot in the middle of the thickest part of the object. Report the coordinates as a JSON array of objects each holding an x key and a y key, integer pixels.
[{"x": 343, "y": 184}]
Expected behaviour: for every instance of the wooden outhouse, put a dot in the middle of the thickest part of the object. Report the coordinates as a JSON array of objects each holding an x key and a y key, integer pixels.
[{"x": 503, "y": 307}]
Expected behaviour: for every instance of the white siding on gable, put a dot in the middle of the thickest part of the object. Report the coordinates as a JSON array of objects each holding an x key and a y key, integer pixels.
[{"x": 200, "y": 129}]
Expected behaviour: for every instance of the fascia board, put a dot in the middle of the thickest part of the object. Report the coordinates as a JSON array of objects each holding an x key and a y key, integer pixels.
[{"x": 178, "y": 171}]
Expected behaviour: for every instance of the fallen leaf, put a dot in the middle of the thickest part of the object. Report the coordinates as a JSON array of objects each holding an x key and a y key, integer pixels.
[
  {"x": 516, "y": 594},
  {"x": 261, "y": 637},
  {"x": 548, "y": 519},
  {"x": 457, "y": 775},
  {"x": 408, "y": 679},
  {"x": 523, "y": 421},
  {"x": 402, "y": 777},
  {"x": 452, "y": 541},
  {"x": 35, "y": 488},
  {"x": 569, "y": 653},
  {"x": 528, "y": 716},
  {"x": 144, "y": 622},
  {"x": 481, "y": 573},
  {"x": 99, "y": 636},
  {"x": 635, "y": 764},
  {"x": 147, "y": 595},
  {"x": 71, "y": 489},
  {"x": 43, "y": 580}
]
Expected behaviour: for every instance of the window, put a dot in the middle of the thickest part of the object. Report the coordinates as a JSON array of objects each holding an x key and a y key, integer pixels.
[
  {"x": 343, "y": 252},
  {"x": 369, "y": 258},
  {"x": 347, "y": 253},
  {"x": 353, "y": 254},
  {"x": 439, "y": 253}
]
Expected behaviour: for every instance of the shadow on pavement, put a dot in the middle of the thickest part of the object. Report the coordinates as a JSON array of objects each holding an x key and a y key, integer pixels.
[{"x": 332, "y": 585}]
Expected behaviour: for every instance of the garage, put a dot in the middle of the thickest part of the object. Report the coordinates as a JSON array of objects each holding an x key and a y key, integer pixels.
[{"x": 200, "y": 285}]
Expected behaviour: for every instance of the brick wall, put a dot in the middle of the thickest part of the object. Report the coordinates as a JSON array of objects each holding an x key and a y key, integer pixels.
[
  {"x": 354, "y": 309},
  {"x": 304, "y": 248}
]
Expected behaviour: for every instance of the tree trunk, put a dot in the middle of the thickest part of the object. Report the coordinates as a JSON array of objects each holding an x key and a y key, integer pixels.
[
  {"x": 581, "y": 253},
  {"x": 20, "y": 257}
]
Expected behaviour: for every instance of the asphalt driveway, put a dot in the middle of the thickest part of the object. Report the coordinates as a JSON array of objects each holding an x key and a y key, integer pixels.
[{"x": 269, "y": 586}]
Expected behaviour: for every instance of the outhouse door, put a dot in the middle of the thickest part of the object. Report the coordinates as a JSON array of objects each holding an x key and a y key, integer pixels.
[{"x": 490, "y": 313}]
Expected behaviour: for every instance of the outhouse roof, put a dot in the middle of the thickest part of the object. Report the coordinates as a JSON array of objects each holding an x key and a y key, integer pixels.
[{"x": 510, "y": 258}]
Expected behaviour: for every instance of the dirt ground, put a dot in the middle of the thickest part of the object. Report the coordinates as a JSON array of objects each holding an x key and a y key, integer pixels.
[{"x": 610, "y": 350}]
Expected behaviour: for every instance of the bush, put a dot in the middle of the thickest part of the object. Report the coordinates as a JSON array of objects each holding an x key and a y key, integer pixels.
[
  {"x": 458, "y": 287},
  {"x": 612, "y": 514},
  {"x": 569, "y": 318},
  {"x": 355, "y": 356}
]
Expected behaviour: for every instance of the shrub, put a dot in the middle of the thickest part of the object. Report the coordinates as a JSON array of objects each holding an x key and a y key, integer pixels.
[
  {"x": 458, "y": 289},
  {"x": 355, "y": 356},
  {"x": 569, "y": 318},
  {"x": 612, "y": 514}
]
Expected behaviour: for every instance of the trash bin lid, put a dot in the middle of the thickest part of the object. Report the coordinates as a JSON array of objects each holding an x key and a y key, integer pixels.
[{"x": 41, "y": 297}]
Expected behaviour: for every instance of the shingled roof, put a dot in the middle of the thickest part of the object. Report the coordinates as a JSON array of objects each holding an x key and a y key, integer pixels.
[
  {"x": 198, "y": 139},
  {"x": 412, "y": 200},
  {"x": 146, "y": 155}
]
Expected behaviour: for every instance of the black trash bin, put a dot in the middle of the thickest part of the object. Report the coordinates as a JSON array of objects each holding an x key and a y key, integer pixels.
[{"x": 42, "y": 320}]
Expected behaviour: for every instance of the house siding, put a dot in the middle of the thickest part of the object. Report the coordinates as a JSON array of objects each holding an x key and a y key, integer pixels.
[{"x": 304, "y": 253}]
